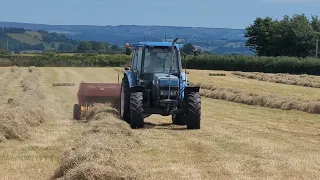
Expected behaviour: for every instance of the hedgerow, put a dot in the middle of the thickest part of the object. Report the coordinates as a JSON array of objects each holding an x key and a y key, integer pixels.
[
  {"x": 244, "y": 63},
  {"x": 54, "y": 60},
  {"x": 289, "y": 65}
]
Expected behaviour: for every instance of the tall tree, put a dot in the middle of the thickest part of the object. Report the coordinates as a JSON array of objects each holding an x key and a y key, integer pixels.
[
  {"x": 188, "y": 48},
  {"x": 295, "y": 36},
  {"x": 261, "y": 35}
]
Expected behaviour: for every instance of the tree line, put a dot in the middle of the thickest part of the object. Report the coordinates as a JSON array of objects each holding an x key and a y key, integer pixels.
[
  {"x": 53, "y": 42},
  {"x": 103, "y": 47},
  {"x": 294, "y": 36}
]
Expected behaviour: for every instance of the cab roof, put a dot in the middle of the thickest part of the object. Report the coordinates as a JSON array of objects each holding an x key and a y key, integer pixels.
[{"x": 152, "y": 43}]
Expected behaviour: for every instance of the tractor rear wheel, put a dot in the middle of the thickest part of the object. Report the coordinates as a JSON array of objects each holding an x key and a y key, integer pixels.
[
  {"x": 125, "y": 100},
  {"x": 136, "y": 110},
  {"x": 76, "y": 112},
  {"x": 193, "y": 116},
  {"x": 179, "y": 119}
]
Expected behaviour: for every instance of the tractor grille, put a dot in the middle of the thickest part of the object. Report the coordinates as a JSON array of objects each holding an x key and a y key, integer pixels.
[{"x": 164, "y": 91}]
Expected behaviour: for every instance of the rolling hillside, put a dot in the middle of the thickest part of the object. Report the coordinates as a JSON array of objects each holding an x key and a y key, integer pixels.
[
  {"x": 215, "y": 40},
  {"x": 20, "y": 40}
]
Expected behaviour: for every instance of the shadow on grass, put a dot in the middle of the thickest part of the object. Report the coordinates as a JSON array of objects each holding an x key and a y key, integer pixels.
[{"x": 168, "y": 126}]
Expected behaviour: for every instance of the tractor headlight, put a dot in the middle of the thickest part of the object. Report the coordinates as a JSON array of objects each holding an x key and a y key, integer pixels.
[
  {"x": 173, "y": 92},
  {"x": 166, "y": 92},
  {"x": 163, "y": 93}
]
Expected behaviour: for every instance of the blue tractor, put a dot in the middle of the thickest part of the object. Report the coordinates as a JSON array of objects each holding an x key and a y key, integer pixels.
[{"x": 156, "y": 84}]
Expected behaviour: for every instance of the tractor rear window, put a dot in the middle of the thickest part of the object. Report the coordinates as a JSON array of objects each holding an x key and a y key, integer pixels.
[{"x": 158, "y": 59}]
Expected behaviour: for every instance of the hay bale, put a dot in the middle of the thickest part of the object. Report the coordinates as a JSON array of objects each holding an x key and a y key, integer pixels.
[
  {"x": 217, "y": 74},
  {"x": 63, "y": 84}
]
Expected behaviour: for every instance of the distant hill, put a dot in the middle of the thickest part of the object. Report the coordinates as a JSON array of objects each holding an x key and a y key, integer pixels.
[
  {"x": 20, "y": 40},
  {"x": 215, "y": 40}
]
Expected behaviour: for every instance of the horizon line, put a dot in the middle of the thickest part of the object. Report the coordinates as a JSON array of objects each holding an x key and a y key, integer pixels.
[{"x": 201, "y": 27}]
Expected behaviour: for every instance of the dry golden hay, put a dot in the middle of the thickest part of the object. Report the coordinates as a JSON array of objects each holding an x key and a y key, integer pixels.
[
  {"x": 101, "y": 152},
  {"x": 10, "y": 100},
  {"x": 99, "y": 111},
  {"x": 217, "y": 74},
  {"x": 14, "y": 68},
  {"x": 23, "y": 111},
  {"x": 5, "y": 81},
  {"x": 12, "y": 127},
  {"x": 31, "y": 68},
  {"x": 264, "y": 100},
  {"x": 302, "y": 80}
]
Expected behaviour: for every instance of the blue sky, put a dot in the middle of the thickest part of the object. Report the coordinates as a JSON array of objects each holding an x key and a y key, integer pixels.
[{"x": 207, "y": 13}]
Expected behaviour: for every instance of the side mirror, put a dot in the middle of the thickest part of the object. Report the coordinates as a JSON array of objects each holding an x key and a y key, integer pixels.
[{"x": 128, "y": 50}]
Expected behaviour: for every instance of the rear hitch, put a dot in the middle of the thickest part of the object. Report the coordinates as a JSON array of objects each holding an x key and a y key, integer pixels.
[{"x": 178, "y": 111}]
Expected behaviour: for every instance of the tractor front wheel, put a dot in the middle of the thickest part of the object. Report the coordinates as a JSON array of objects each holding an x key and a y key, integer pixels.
[
  {"x": 193, "y": 116},
  {"x": 136, "y": 110},
  {"x": 76, "y": 112}
]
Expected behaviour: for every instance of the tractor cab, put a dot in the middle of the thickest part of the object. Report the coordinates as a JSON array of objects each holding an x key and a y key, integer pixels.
[
  {"x": 157, "y": 67},
  {"x": 155, "y": 83}
]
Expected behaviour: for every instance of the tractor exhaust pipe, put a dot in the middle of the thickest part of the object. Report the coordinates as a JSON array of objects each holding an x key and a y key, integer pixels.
[{"x": 171, "y": 64}]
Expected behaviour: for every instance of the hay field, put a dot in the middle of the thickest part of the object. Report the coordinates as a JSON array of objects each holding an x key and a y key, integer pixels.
[{"x": 236, "y": 140}]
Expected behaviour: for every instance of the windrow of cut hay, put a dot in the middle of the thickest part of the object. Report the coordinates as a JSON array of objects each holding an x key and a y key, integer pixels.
[
  {"x": 264, "y": 100},
  {"x": 24, "y": 111},
  {"x": 103, "y": 151},
  {"x": 299, "y": 80},
  {"x": 6, "y": 80}
]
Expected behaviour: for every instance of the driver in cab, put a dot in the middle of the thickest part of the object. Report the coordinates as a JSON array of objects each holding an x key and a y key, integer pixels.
[{"x": 154, "y": 62}]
